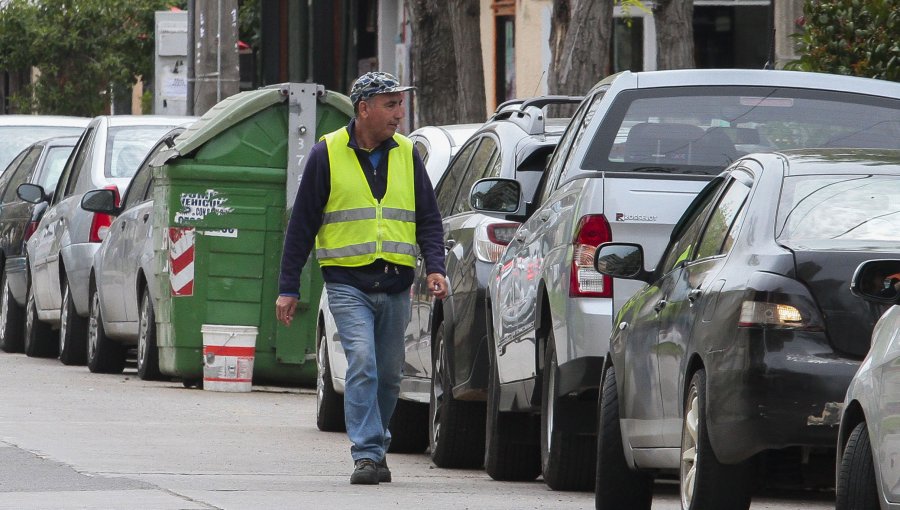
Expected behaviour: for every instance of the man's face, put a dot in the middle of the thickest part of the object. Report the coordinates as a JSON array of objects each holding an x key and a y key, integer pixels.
[{"x": 381, "y": 114}]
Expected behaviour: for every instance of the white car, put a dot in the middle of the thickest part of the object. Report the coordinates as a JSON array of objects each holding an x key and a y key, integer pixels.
[
  {"x": 868, "y": 449},
  {"x": 61, "y": 251},
  {"x": 20, "y": 131},
  {"x": 436, "y": 145}
]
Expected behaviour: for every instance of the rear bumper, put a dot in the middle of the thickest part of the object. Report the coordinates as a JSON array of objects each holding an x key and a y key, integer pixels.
[{"x": 775, "y": 389}]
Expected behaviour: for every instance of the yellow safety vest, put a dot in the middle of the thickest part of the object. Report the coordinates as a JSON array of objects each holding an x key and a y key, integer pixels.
[{"x": 356, "y": 228}]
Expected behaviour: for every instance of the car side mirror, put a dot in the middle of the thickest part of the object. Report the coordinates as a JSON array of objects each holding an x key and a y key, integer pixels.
[
  {"x": 877, "y": 281},
  {"x": 32, "y": 193},
  {"x": 100, "y": 201},
  {"x": 497, "y": 196},
  {"x": 621, "y": 260}
]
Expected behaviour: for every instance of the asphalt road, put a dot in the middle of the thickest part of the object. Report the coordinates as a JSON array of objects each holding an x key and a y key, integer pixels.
[{"x": 70, "y": 439}]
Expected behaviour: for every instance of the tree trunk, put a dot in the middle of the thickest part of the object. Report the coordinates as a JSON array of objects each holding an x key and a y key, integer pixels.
[
  {"x": 433, "y": 63},
  {"x": 674, "y": 34},
  {"x": 465, "y": 26},
  {"x": 580, "y": 35}
]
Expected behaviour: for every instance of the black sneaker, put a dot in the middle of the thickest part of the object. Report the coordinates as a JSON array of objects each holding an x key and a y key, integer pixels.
[
  {"x": 384, "y": 472},
  {"x": 364, "y": 473}
]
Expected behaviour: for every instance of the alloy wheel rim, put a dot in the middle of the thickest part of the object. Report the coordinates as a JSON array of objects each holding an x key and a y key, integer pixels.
[
  {"x": 689, "y": 438},
  {"x": 29, "y": 315},
  {"x": 438, "y": 388},
  {"x": 320, "y": 373},
  {"x": 4, "y": 306},
  {"x": 63, "y": 319},
  {"x": 551, "y": 406},
  {"x": 93, "y": 325},
  {"x": 143, "y": 327}
]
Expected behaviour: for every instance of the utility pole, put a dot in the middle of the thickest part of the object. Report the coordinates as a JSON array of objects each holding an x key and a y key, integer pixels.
[{"x": 214, "y": 52}]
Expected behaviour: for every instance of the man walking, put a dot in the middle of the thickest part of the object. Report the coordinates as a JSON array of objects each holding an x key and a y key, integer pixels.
[{"x": 365, "y": 200}]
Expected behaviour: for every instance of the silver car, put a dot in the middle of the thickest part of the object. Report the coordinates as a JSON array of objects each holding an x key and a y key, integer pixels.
[
  {"x": 61, "y": 251},
  {"x": 122, "y": 284},
  {"x": 868, "y": 448},
  {"x": 20, "y": 131}
]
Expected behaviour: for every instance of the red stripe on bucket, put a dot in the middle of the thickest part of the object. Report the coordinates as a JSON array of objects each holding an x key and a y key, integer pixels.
[
  {"x": 224, "y": 379},
  {"x": 226, "y": 350}
]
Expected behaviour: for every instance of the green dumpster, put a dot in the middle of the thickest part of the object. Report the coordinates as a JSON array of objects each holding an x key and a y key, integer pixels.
[{"x": 223, "y": 199}]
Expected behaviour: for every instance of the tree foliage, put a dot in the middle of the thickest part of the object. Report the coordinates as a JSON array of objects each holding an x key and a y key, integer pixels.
[
  {"x": 851, "y": 37},
  {"x": 81, "y": 49}
]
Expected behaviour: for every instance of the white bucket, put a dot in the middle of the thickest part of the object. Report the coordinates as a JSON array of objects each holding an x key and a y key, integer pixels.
[{"x": 228, "y": 353}]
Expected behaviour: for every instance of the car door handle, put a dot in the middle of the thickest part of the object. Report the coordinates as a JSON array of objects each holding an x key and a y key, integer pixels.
[
  {"x": 660, "y": 305},
  {"x": 521, "y": 234},
  {"x": 694, "y": 295},
  {"x": 449, "y": 244},
  {"x": 146, "y": 217},
  {"x": 121, "y": 225},
  {"x": 545, "y": 215}
]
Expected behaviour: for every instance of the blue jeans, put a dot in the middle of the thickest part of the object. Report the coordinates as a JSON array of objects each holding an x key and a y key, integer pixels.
[{"x": 371, "y": 327}]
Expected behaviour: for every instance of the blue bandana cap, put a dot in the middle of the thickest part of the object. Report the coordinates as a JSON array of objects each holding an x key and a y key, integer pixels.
[{"x": 374, "y": 83}]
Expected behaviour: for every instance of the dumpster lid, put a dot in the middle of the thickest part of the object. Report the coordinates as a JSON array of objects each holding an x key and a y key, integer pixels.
[{"x": 223, "y": 115}]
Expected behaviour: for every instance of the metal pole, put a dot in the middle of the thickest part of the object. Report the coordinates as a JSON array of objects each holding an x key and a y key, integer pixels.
[
  {"x": 191, "y": 55},
  {"x": 219, "y": 54}
]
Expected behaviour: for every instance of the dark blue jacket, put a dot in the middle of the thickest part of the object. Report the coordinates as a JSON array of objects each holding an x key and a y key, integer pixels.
[{"x": 306, "y": 219}]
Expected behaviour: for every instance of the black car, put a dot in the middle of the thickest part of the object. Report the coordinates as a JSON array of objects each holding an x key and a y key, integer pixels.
[
  {"x": 40, "y": 163},
  {"x": 740, "y": 347},
  {"x": 450, "y": 335}
]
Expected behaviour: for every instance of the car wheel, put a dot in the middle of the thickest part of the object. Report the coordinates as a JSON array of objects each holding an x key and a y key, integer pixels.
[
  {"x": 409, "y": 427},
  {"x": 329, "y": 403},
  {"x": 456, "y": 427},
  {"x": 72, "y": 330},
  {"x": 856, "y": 473},
  {"x": 705, "y": 482},
  {"x": 616, "y": 485},
  {"x": 512, "y": 440},
  {"x": 147, "y": 353},
  {"x": 11, "y": 315},
  {"x": 567, "y": 453},
  {"x": 39, "y": 340},
  {"x": 104, "y": 356}
]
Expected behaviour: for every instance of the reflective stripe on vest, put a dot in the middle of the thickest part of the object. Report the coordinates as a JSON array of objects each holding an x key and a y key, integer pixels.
[{"x": 357, "y": 229}]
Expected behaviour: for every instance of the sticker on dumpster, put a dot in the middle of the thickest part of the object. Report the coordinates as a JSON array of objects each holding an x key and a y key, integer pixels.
[
  {"x": 181, "y": 260},
  {"x": 225, "y": 232},
  {"x": 196, "y": 206}
]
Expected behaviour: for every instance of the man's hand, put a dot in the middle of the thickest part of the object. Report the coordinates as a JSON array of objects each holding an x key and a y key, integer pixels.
[
  {"x": 285, "y": 306},
  {"x": 437, "y": 283}
]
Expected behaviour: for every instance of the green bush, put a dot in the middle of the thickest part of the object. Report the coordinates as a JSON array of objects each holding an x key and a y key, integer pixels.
[{"x": 851, "y": 37}]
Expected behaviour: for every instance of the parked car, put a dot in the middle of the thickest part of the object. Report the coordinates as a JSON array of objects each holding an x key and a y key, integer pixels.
[
  {"x": 438, "y": 144},
  {"x": 868, "y": 457},
  {"x": 61, "y": 251},
  {"x": 639, "y": 148},
  {"x": 40, "y": 163},
  {"x": 122, "y": 284},
  {"x": 20, "y": 131},
  {"x": 741, "y": 344}
]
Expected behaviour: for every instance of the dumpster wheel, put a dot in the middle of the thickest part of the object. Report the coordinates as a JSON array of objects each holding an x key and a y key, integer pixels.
[{"x": 192, "y": 383}]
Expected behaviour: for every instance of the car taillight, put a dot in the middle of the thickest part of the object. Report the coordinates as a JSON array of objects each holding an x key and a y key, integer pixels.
[
  {"x": 101, "y": 221},
  {"x": 585, "y": 281},
  {"x": 30, "y": 229},
  {"x": 772, "y": 315},
  {"x": 492, "y": 238}
]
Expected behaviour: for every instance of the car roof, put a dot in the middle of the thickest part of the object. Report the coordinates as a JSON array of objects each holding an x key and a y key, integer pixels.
[
  {"x": 148, "y": 120},
  {"x": 43, "y": 120},
  {"x": 456, "y": 133},
  {"x": 841, "y": 161},
  {"x": 757, "y": 77}
]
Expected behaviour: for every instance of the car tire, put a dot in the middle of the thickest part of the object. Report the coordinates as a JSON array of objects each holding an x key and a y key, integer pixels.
[
  {"x": 856, "y": 486},
  {"x": 567, "y": 455},
  {"x": 512, "y": 440},
  {"x": 39, "y": 339},
  {"x": 704, "y": 481},
  {"x": 147, "y": 351},
  {"x": 104, "y": 355},
  {"x": 616, "y": 485},
  {"x": 409, "y": 427},
  {"x": 456, "y": 428},
  {"x": 11, "y": 318},
  {"x": 329, "y": 403},
  {"x": 72, "y": 331}
]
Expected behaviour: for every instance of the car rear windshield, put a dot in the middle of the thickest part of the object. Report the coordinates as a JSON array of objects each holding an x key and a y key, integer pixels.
[
  {"x": 15, "y": 138},
  {"x": 817, "y": 211},
  {"x": 128, "y": 146},
  {"x": 700, "y": 130}
]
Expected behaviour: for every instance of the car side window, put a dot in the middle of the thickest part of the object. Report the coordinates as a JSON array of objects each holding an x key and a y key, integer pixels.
[
  {"x": 21, "y": 174},
  {"x": 718, "y": 237},
  {"x": 70, "y": 174},
  {"x": 555, "y": 165},
  {"x": 681, "y": 245},
  {"x": 449, "y": 185},
  {"x": 138, "y": 187},
  {"x": 480, "y": 165},
  {"x": 570, "y": 167},
  {"x": 422, "y": 148}
]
